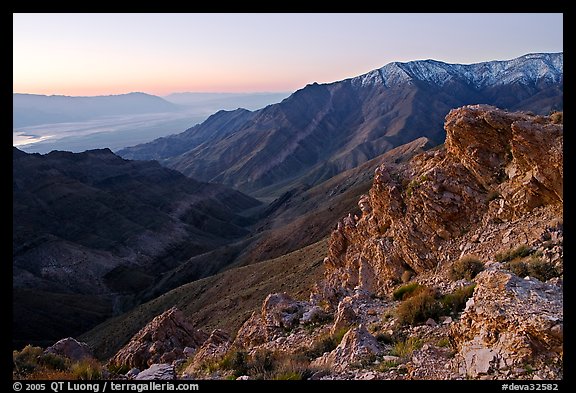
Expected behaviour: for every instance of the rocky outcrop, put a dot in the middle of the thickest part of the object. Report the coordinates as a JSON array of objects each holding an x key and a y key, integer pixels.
[
  {"x": 279, "y": 314},
  {"x": 496, "y": 167},
  {"x": 214, "y": 348},
  {"x": 357, "y": 346},
  {"x": 70, "y": 348},
  {"x": 161, "y": 372},
  {"x": 511, "y": 323},
  {"x": 345, "y": 316},
  {"x": 160, "y": 341}
]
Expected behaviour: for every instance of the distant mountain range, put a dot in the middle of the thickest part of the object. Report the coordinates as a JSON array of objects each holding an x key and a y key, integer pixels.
[
  {"x": 322, "y": 130},
  {"x": 91, "y": 229},
  {"x": 33, "y": 109}
]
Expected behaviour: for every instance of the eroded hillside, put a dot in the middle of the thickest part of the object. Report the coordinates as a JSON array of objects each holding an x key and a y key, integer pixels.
[{"x": 453, "y": 270}]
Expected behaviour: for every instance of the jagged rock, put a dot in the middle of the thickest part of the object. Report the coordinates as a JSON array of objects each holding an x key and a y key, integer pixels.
[
  {"x": 162, "y": 339},
  {"x": 314, "y": 314},
  {"x": 162, "y": 372},
  {"x": 496, "y": 166},
  {"x": 252, "y": 332},
  {"x": 215, "y": 347},
  {"x": 345, "y": 315},
  {"x": 70, "y": 348},
  {"x": 357, "y": 346},
  {"x": 281, "y": 311},
  {"x": 510, "y": 322}
]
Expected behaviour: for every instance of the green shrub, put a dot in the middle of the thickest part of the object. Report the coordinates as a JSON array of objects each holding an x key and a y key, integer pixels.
[
  {"x": 513, "y": 253},
  {"x": 325, "y": 343},
  {"x": 456, "y": 301},
  {"x": 405, "y": 291},
  {"x": 466, "y": 267},
  {"x": 405, "y": 348},
  {"x": 443, "y": 342},
  {"x": 386, "y": 365},
  {"x": 418, "y": 308}
]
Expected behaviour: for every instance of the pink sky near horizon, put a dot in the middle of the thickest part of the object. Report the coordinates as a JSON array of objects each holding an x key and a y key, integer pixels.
[{"x": 100, "y": 54}]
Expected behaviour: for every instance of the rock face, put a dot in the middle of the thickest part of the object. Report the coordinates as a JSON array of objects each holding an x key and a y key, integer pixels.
[
  {"x": 357, "y": 346},
  {"x": 70, "y": 348},
  {"x": 161, "y": 341},
  {"x": 511, "y": 323},
  {"x": 496, "y": 166}
]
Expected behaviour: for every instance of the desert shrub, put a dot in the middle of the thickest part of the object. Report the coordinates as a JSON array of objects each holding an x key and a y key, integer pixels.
[
  {"x": 466, "y": 267},
  {"x": 418, "y": 308},
  {"x": 384, "y": 338},
  {"x": 54, "y": 362},
  {"x": 26, "y": 360},
  {"x": 405, "y": 291},
  {"x": 288, "y": 376},
  {"x": 456, "y": 301},
  {"x": 235, "y": 360},
  {"x": 120, "y": 369},
  {"x": 386, "y": 365},
  {"x": 339, "y": 334},
  {"x": 443, "y": 342},
  {"x": 261, "y": 363},
  {"x": 513, "y": 253},
  {"x": 518, "y": 267},
  {"x": 557, "y": 117},
  {"x": 86, "y": 369},
  {"x": 540, "y": 269},
  {"x": 292, "y": 367},
  {"x": 405, "y": 348},
  {"x": 325, "y": 343}
]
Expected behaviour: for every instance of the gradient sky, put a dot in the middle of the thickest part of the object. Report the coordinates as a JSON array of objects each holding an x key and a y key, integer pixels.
[{"x": 95, "y": 54}]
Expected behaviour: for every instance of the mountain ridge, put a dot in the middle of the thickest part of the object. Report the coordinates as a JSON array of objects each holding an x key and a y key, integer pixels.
[
  {"x": 93, "y": 225},
  {"x": 328, "y": 128}
]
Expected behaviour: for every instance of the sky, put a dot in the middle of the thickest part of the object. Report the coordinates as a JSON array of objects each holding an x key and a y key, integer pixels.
[{"x": 99, "y": 54}]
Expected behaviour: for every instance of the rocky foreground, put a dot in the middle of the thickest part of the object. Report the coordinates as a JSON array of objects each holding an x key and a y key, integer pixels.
[{"x": 452, "y": 269}]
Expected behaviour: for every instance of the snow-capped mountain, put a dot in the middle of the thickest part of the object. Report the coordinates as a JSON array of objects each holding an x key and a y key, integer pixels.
[
  {"x": 528, "y": 69},
  {"x": 324, "y": 129}
]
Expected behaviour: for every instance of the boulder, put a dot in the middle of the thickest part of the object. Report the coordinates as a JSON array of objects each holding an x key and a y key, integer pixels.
[
  {"x": 509, "y": 323},
  {"x": 161, "y": 340},
  {"x": 161, "y": 372},
  {"x": 71, "y": 349},
  {"x": 357, "y": 346}
]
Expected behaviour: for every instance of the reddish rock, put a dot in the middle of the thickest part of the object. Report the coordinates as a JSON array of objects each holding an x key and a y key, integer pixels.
[{"x": 163, "y": 339}]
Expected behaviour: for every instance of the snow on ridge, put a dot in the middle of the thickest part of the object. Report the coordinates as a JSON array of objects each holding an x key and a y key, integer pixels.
[{"x": 526, "y": 69}]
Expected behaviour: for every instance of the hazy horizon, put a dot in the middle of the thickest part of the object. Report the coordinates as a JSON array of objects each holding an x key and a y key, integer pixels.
[{"x": 159, "y": 54}]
